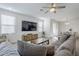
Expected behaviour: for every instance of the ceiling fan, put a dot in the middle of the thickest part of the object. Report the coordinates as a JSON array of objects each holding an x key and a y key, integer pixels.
[{"x": 52, "y": 8}]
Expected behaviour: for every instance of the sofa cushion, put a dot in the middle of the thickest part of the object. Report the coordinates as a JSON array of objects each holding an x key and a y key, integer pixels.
[
  {"x": 34, "y": 50},
  {"x": 64, "y": 53},
  {"x": 64, "y": 37},
  {"x": 30, "y": 49}
]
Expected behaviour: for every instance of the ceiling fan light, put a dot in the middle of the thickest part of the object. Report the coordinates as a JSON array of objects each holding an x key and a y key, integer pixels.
[{"x": 52, "y": 10}]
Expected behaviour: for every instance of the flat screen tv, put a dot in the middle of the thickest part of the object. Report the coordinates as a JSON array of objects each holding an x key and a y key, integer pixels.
[{"x": 29, "y": 26}]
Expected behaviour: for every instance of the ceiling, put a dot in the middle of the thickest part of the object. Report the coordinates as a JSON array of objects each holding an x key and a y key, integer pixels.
[{"x": 33, "y": 9}]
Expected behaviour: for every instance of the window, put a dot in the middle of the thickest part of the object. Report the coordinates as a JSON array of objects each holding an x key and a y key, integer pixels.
[
  {"x": 55, "y": 28},
  {"x": 55, "y": 31},
  {"x": 7, "y": 24}
]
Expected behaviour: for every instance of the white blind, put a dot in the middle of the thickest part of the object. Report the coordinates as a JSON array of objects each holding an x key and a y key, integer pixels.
[
  {"x": 55, "y": 28},
  {"x": 7, "y": 24}
]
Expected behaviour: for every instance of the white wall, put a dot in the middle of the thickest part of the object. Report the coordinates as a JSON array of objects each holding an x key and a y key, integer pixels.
[
  {"x": 73, "y": 23},
  {"x": 19, "y": 18},
  {"x": 47, "y": 26},
  {"x": 46, "y": 23}
]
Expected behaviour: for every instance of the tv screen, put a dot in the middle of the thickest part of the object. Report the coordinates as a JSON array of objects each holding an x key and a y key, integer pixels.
[{"x": 29, "y": 26}]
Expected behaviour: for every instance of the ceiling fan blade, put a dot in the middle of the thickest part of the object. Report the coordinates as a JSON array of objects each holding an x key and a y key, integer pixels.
[
  {"x": 53, "y": 7},
  {"x": 46, "y": 7},
  {"x": 59, "y": 7},
  {"x": 56, "y": 7}
]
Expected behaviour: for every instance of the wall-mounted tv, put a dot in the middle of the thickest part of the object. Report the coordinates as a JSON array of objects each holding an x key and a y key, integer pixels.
[{"x": 29, "y": 26}]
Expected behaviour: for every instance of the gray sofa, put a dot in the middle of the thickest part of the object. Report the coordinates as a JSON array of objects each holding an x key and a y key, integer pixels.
[
  {"x": 66, "y": 48},
  {"x": 62, "y": 39},
  {"x": 29, "y": 49}
]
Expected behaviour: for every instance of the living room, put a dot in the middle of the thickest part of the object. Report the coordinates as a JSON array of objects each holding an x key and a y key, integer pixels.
[{"x": 45, "y": 26}]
